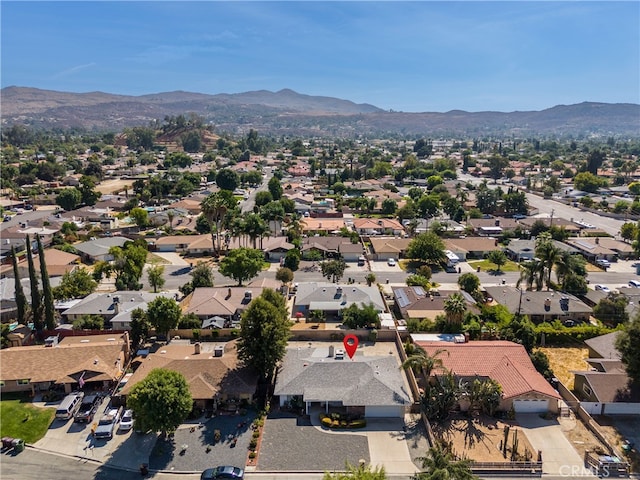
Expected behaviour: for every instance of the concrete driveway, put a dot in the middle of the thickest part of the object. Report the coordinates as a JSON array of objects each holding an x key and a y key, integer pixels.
[{"x": 558, "y": 455}]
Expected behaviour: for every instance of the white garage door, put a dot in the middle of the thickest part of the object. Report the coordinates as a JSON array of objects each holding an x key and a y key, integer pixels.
[
  {"x": 531, "y": 406},
  {"x": 384, "y": 411}
]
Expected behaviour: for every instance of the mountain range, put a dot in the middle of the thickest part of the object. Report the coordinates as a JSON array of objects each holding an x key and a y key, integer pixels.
[{"x": 290, "y": 113}]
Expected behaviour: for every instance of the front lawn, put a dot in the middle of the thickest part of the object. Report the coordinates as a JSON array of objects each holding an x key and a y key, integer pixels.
[
  {"x": 20, "y": 419},
  {"x": 487, "y": 266}
]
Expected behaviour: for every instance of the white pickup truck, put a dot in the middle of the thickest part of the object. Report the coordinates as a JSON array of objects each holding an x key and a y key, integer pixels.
[{"x": 107, "y": 423}]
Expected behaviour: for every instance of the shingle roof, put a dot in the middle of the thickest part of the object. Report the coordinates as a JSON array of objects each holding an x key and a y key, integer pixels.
[
  {"x": 310, "y": 292},
  {"x": 506, "y": 362},
  {"x": 364, "y": 381},
  {"x": 612, "y": 387},
  {"x": 100, "y": 246},
  {"x": 605, "y": 345}
]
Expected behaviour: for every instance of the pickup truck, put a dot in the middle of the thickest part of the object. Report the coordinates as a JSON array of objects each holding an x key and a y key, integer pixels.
[
  {"x": 107, "y": 423},
  {"x": 88, "y": 407}
]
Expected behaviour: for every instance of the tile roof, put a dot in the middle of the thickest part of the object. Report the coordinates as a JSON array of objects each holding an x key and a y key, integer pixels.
[{"x": 506, "y": 362}]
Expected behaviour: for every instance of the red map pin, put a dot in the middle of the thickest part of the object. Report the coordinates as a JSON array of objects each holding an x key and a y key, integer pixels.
[{"x": 350, "y": 343}]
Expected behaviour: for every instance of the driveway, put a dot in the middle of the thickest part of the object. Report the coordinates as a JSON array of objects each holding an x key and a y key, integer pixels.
[{"x": 558, "y": 455}]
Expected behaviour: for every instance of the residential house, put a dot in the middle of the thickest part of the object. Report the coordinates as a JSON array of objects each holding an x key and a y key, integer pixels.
[
  {"x": 58, "y": 263},
  {"x": 606, "y": 389},
  {"x": 193, "y": 207},
  {"x": 523, "y": 388},
  {"x": 418, "y": 303},
  {"x": 97, "y": 250},
  {"x": 97, "y": 361},
  {"x": 383, "y": 248},
  {"x": 378, "y": 226},
  {"x": 372, "y": 385},
  {"x": 217, "y": 379},
  {"x": 520, "y": 250},
  {"x": 275, "y": 248},
  {"x": 487, "y": 227},
  {"x": 311, "y": 225},
  {"x": 332, "y": 298},
  {"x": 223, "y": 302},
  {"x": 541, "y": 306},
  {"x": 599, "y": 248},
  {"x": 570, "y": 227},
  {"x": 471, "y": 247},
  {"x": 115, "y": 308},
  {"x": 332, "y": 247}
]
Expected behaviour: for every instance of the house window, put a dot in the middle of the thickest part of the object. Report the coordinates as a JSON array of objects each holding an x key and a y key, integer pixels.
[
  {"x": 587, "y": 390},
  {"x": 24, "y": 381}
]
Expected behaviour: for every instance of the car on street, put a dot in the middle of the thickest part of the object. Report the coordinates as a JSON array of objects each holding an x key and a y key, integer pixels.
[
  {"x": 126, "y": 422},
  {"x": 222, "y": 472},
  {"x": 339, "y": 354},
  {"x": 602, "y": 288},
  {"x": 634, "y": 283},
  {"x": 602, "y": 263},
  {"x": 391, "y": 262},
  {"x": 107, "y": 423}
]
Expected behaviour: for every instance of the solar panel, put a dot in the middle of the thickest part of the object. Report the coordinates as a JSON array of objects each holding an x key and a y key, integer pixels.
[
  {"x": 585, "y": 245},
  {"x": 419, "y": 291},
  {"x": 401, "y": 298}
]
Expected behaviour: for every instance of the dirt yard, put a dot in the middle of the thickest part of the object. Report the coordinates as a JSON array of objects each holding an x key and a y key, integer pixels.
[
  {"x": 578, "y": 435},
  {"x": 479, "y": 438},
  {"x": 619, "y": 428},
  {"x": 564, "y": 360},
  {"x": 111, "y": 186}
]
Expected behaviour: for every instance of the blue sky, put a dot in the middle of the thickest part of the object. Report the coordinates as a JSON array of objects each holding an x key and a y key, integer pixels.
[{"x": 406, "y": 56}]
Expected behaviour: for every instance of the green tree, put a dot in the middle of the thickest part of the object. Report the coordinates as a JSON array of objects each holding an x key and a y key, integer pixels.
[
  {"x": 498, "y": 258},
  {"x": 88, "y": 193},
  {"x": 628, "y": 231},
  {"x": 214, "y": 208},
  {"x": 263, "y": 197},
  {"x": 163, "y": 314},
  {"x": 389, "y": 206},
  {"x": 628, "y": 344},
  {"x": 292, "y": 259},
  {"x": 69, "y": 198},
  {"x": 191, "y": 141},
  {"x": 541, "y": 364},
  {"x": 128, "y": 263},
  {"x": 361, "y": 472},
  {"x": 275, "y": 188},
  {"x": 21, "y": 299},
  {"x": 469, "y": 282},
  {"x": 89, "y": 322},
  {"x": 140, "y": 216},
  {"x": 227, "y": 179},
  {"x": 284, "y": 275},
  {"x": 264, "y": 332},
  {"x": 333, "y": 269},
  {"x": 455, "y": 306},
  {"x": 440, "y": 464},
  {"x": 497, "y": 164},
  {"x": 612, "y": 310},
  {"x": 242, "y": 264},
  {"x": 140, "y": 327},
  {"x": 75, "y": 284},
  {"x": 532, "y": 273},
  {"x": 355, "y": 316},
  {"x": 588, "y": 182},
  {"x": 161, "y": 401},
  {"x": 370, "y": 278},
  {"x": 520, "y": 330},
  {"x": 47, "y": 294},
  {"x": 155, "y": 275},
  {"x": 36, "y": 307},
  {"x": 427, "y": 247},
  {"x": 548, "y": 254},
  {"x": 420, "y": 361}
]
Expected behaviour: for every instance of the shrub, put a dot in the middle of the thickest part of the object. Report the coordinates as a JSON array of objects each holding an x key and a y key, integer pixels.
[
  {"x": 359, "y": 423},
  {"x": 256, "y": 434},
  {"x": 335, "y": 424},
  {"x": 252, "y": 455},
  {"x": 253, "y": 443},
  {"x": 326, "y": 421}
]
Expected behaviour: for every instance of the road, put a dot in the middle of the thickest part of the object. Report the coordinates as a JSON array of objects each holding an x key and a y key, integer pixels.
[
  {"x": 35, "y": 465},
  {"x": 248, "y": 204}
]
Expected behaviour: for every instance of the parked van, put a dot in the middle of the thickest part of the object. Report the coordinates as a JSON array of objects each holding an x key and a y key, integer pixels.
[{"x": 69, "y": 405}]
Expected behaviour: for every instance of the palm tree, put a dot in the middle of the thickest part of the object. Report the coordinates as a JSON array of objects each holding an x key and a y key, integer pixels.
[
  {"x": 569, "y": 264},
  {"x": 255, "y": 227},
  {"x": 455, "y": 306},
  {"x": 549, "y": 255},
  {"x": 214, "y": 207},
  {"x": 170, "y": 216},
  {"x": 531, "y": 273},
  {"x": 420, "y": 360},
  {"x": 370, "y": 278},
  {"x": 440, "y": 464}
]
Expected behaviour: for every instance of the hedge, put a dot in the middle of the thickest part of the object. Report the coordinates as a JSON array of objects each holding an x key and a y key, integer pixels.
[
  {"x": 555, "y": 335},
  {"x": 338, "y": 422}
]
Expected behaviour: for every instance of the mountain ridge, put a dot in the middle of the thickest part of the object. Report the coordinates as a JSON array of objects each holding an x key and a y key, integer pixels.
[{"x": 290, "y": 112}]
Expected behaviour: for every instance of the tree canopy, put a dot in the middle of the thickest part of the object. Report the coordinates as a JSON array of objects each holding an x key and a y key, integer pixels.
[
  {"x": 242, "y": 264},
  {"x": 264, "y": 332},
  {"x": 163, "y": 314},
  {"x": 161, "y": 401},
  {"x": 628, "y": 344},
  {"x": 427, "y": 247}
]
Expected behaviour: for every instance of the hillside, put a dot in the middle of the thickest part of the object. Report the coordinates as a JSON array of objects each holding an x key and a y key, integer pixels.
[{"x": 289, "y": 113}]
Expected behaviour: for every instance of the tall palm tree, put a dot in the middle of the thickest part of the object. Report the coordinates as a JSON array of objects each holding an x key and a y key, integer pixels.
[
  {"x": 255, "y": 227},
  {"x": 531, "y": 273},
  {"x": 440, "y": 464},
  {"x": 455, "y": 306},
  {"x": 549, "y": 255},
  {"x": 420, "y": 360},
  {"x": 569, "y": 264},
  {"x": 214, "y": 207}
]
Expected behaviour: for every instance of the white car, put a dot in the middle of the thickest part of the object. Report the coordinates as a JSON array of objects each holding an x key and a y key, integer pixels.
[
  {"x": 602, "y": 288},
  {"x": 391, "y": 262},
  {"x": 634, "y": 283},
  {"x": 126, "y": 423}
]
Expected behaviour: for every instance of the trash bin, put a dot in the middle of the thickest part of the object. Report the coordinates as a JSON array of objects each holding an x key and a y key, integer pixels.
[{"x": 18, "y": 445}]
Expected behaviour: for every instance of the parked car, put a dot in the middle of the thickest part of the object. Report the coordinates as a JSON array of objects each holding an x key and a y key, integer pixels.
[
  {"x": 391, "y": 262},
  {"x": 602, "y": 263},
  {"x": 634, "y": 283},
  {"x": 222, "y": 472},
  {"x": 126, "y": 422},
  {"x": 339, "y": 354},
  {"x": 88, "y": 408},
  {"x": 107, "y": 423},
  {"x": 602, "y": 288}
]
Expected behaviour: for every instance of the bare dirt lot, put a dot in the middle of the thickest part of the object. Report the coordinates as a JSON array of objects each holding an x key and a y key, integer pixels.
[
  {"x": 619, "y": 428},
  {"x": 564, "y": 360},
  {"x": 111, "y": 186},
  {"x": 579, "y": 435},
  {"x": 479, "y": 438}
]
